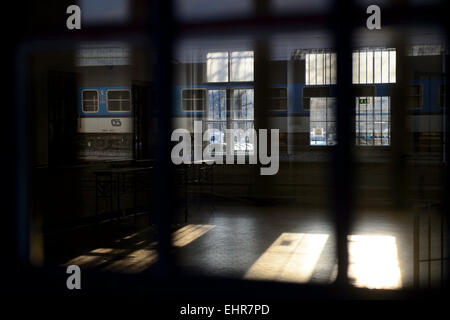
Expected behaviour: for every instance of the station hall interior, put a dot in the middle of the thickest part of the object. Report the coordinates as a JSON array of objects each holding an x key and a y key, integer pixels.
[{"x": 356, "y": 120}]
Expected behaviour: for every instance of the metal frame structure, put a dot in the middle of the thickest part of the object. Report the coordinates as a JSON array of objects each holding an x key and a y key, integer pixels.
[{"x": 160, "y": 29}]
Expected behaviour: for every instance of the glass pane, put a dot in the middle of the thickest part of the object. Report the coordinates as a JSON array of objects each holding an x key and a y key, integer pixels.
[
  {"x": 217, "y": 66},
  {"x": 242, "y": 66}
]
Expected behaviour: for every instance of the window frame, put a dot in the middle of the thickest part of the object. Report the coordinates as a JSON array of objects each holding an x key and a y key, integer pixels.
[
  {"x": 408, "y": 96},
  {"x": 82, "y": 101},
  {"x": 229, "y": 67},
  {"x": 204, "y": 100},
  {"x": 365, "y": 146},
  {"x": 107, "y": 101}
]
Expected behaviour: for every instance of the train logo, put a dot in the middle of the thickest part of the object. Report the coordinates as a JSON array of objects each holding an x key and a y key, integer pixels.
[{"x": 116, "y": 122}]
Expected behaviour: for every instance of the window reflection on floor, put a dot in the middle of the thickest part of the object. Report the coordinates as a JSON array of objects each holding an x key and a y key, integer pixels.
[
  {"x": 141, "y": 255},
  {"x": 374, "y": 262},
  {"x": 182, "y": 237},
  {"x": 292, "y": 257}
]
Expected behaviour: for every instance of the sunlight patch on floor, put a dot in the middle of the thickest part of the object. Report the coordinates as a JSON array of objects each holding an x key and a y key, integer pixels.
[
  {"x": 292, "y": 257},
  {"x": 373, "y": 262},
  {"x": 182, "y": 237}
]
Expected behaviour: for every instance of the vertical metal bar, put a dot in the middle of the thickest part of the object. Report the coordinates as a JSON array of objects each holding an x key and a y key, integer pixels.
[
  {"x": 342, "y": 164},
  {"x": 164, "y": 182},
  {"x": 442, "y": 249},
  {"x": 429, "y": 246},
  {"x": 447, "y": 137},
  {"x": 416, "y": 248}
]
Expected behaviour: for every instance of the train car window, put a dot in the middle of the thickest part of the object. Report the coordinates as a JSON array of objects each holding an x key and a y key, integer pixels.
[
  {"x": 119, "y": 100},
  {"x": 193, "y": 99},
  {"x": 322, "y": 121},
  {"x": 90, "y": 101},
  {"x": 278, "y": 99},
  {"x": 415, "y": 96},
  {"x": 309, "y": 92},
  {"x": 242, "y": 66},
  {"x": 217, "y": 66},
  {"x": 442, "y": 95},
  {"x": 373, "y": 120},
  {"x": 374, "y": 66},
  {"x": 320, "y": 68}
]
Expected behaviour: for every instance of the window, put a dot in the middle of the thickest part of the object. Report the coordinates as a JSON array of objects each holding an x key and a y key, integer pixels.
[
  {"x": 118, "y": 100},
  {"x": 89, "y": 101},
  {"x": 241, "y": 116},
  {"x": 217, "y": 66},
  {"x": 241, "y": 66},
  {"x": 309, "y": 92},
  {"x": 374, "y": 66},
  {"x": 320, "y": 68},
  {"x": 216, "y": 115},
  {"x": 193, "y": 99},
  {"x": 415, "y": 96},
  {"x": 373, "y": 121},
  {"x": 322, "y": 121},
  {"x": 278, "y": 99}
]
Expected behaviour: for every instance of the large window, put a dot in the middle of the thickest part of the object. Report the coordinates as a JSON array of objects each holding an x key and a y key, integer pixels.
[
  {"x": 119, "y": 100},
  {"x": 373, "y": 123},
  {"x": 89, "y": 101},
  {"x": 236, "y": 66},
  {"x": 322, "y": 121},
  {"x": 320, "y": 68},
  {"x": 232, "y": 109},
  {"x": 374, "y": 66}
]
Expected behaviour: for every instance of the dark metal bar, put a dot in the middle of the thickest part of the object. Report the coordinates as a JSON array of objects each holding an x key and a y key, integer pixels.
[
  {"x": 164, "y": 183},
  {"x": 342, "y": 154},
  {"x": 429, "y": 247},
  {"x": 446, "y": 212},
  {"x": 416, "y": 247}
]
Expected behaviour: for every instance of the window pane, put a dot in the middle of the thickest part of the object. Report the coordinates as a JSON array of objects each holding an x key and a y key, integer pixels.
[
  {"x": 377, "y": 67},
  {"x": 362, "y": 67},
  {"x": 392, "y": 66},
  {"x": 355, "y": 67},
  {"x": 90, "y": 101},
  {"x": 216, "y": 105},
  {"x": 242, "y": 104},
  {"x": 372, "y": 121},
  {"x": 385, "y": 67},
  {"x": 242, "y": 66},
  {"x": 322, "y": 121},
  {"x": 370, "y": 67},
  {"x": 320, "y": 68},
  {"x": 217, "y": 66}
]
